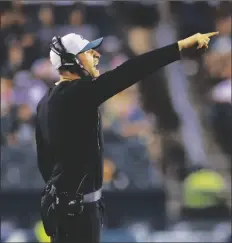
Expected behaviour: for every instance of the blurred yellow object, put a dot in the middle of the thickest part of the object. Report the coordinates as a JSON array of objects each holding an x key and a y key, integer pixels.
[
  {"x": 40, "y": 233},
  {"x": 109, "y": 169},
  {"x": 203, "y": 188}
]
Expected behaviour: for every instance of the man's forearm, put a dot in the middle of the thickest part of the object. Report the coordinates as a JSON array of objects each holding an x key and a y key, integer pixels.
[{"x": 132, "y": 71}]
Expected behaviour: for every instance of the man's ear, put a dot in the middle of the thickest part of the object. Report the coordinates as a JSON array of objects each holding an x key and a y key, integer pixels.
[{"x": 79, "y": 56}]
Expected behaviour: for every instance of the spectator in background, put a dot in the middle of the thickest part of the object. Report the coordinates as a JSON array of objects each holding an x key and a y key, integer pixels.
[
  {"x": 23, "y": 126},
  {"x": 17, "y": 5},
  {"x": 189, "y": 22},
  {"x": 222, "y": 43},
  {"x": 42, "y": 69},
  {"x": 15, "y": 59},
  {"x": 204, "y": 197},
  {"x": 28, "y": 89},
  {"x": 7, "y": 111},
  {"x": 21, "y": 23},
  {"x": 47, "y": 28},
  {"x": 221, "y": 93},
  {"x": 31, "y": 47},
  {"x": 139, "y": 40},
  {"x": 77, "y": 17},
  {"x": 6, "y": 22},
  {"x": 76, "y": 24},
  {"x": 109, "y": 173},
  {"x": 222, "y": 108},
  {"x": 7, "y": 95}
]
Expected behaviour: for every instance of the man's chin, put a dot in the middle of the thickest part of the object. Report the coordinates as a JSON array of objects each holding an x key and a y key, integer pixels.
[{"x": 96, "y": 73}]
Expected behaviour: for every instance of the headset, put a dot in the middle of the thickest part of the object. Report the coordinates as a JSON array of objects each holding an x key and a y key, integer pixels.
[{"x": 68, "y": 60}]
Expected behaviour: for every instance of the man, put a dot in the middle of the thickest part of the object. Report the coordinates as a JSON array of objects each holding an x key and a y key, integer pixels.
[{"x": 68, "y": 131}]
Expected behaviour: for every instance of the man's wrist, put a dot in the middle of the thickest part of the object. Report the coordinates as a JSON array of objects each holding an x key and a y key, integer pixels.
[{"x": 181, "y": 44}]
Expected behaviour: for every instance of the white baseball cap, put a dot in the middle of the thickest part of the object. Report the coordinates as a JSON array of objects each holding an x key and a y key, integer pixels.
[{"x": 74, "y": 44}]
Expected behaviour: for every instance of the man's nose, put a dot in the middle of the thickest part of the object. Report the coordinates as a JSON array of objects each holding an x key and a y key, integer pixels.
[{"x": 96, "y": 53}]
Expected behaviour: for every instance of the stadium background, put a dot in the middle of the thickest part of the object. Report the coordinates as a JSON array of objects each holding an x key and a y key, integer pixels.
[{"x": 167, "y": 140}]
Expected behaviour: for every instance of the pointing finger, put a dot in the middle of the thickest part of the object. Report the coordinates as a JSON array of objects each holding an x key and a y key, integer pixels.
[{"x": 212, "y": 34}]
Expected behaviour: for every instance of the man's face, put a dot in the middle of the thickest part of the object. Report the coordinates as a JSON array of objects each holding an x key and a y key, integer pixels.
[{"x": 90, "y": 60}]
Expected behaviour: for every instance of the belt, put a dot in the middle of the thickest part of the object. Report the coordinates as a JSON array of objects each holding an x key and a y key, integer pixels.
[
  {"x": 93, "y": 196},
  {"x": 87, "y": 198}
]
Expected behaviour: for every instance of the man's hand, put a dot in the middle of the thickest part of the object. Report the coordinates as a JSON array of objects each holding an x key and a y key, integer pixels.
[{"x": 202, "y": 40}]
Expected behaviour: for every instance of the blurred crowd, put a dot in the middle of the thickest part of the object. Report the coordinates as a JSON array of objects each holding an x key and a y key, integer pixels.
[{"x": 132, "y": 118}]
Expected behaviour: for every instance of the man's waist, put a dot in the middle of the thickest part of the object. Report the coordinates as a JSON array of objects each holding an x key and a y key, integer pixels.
[
  {"x": 91, "y": 195},
  {"x": 86, "y": 198}
]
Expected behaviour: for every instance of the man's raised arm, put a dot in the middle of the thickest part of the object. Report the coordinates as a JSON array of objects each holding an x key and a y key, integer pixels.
[{"x": 139, "y": 67}]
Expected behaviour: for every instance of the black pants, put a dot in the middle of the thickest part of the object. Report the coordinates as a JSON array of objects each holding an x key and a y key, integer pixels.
[{"x": 83, "y": 228}]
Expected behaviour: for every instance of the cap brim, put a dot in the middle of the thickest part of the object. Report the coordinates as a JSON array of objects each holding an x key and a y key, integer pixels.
[{"x": 92, "y": 45}]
